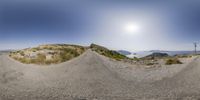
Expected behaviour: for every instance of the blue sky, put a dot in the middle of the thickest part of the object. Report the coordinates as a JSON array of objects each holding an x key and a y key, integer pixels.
[{"x": 164, "y": 25}]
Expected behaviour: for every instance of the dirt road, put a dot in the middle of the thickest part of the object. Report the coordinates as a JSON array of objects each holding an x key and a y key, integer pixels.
[{"x": 94, "y": 77}]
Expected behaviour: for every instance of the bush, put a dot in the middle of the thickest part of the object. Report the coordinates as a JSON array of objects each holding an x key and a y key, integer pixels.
[
  {"x": 21, "y": 53},
  {"x": 183, "y": 56},
  {"x": 35, "y": 49},
  {"x": 24, "y": 60},
  {"x": 64, "y": 57},
  {"x": 135, "y": 59},
  {"x": 49, "y": 62},
  {"x": 173, "y": 61},
  {"x": 150, "y": 63},
  {"x": 41, "y": 58}
]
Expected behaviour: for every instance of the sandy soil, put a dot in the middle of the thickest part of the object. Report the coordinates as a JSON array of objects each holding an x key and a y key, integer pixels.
[{"x": 95, "y": 77}]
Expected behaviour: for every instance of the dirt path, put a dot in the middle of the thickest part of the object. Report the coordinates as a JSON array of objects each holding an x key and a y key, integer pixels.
[{"x": 91, "y": 76}]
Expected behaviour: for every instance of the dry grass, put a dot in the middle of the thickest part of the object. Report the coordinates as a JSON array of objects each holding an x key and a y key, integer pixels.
[
  {"x": 58, "y": 52},
  {"x": 173, "y": 61}
]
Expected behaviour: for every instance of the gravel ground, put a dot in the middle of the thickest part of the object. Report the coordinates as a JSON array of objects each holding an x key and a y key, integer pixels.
[
  {"x": 149, "y": 74},
  {"x": 95, "y": 77}
]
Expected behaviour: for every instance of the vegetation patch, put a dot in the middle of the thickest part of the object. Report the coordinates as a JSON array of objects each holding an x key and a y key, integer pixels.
[
  {"x": 173, "y": 61},
  {"x": 48, "y": 54},
  {"x": 135, "y": 59},
  {"x": 183, "y": 56},
  {"x": 108, "y": 53},
  {"x": 150, "y": 63}
]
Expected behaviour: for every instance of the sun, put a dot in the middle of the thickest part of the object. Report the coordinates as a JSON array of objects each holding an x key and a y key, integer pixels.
[{"x": 132, "y": 28}]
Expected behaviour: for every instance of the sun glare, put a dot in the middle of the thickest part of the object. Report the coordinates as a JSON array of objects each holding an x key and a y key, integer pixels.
[{"x": 132, "y": 28}]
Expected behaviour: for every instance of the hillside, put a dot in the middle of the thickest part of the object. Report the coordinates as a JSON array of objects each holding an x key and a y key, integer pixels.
[
  {"x": 106, "y": 52},
  {"x": 156, "y": 55},
  {"x": 48, "y": 54},
  {"x": 58, "y": 53}
]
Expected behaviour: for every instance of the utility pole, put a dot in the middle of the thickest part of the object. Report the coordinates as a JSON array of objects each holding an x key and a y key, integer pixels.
[{"x": 195, "y": 47}]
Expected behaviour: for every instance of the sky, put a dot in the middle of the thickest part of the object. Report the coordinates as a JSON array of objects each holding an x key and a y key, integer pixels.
[{"x": 132, "y": 25}]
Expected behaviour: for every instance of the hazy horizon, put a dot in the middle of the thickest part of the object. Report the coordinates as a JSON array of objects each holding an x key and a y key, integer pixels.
[{"x": 138, "y": 25}]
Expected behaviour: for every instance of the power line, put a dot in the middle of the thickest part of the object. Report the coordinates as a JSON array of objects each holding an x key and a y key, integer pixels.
[{"x": 195, "y": 47}]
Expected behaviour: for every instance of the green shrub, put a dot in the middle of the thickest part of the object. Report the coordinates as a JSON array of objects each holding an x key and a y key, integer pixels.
[
  {"x": 35, "y": 49},
  {"x": 173, "y": 61},
  {"x": 24, "y": 60},
  {"x": 21, "y": 53},
  {"x": 106, "y": 52},
  {"x": 183, "y": 56},
  {"x": 136, "y": 59},
  {"x": 64, "y": 57},
  {"x": 41, "y": 58},
  {"x": 49, "y": 62}
]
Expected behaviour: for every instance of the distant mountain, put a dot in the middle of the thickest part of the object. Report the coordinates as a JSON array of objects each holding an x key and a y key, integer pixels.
[
  {"x": 156, "y": 55},
  {"x": 158, "y": 51},
  {"x": 124, "y": 52},
  {"x": 172, "y": 53},
  {"x": 6, "y": 51},
  {"x": 140, "y": 54}
]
